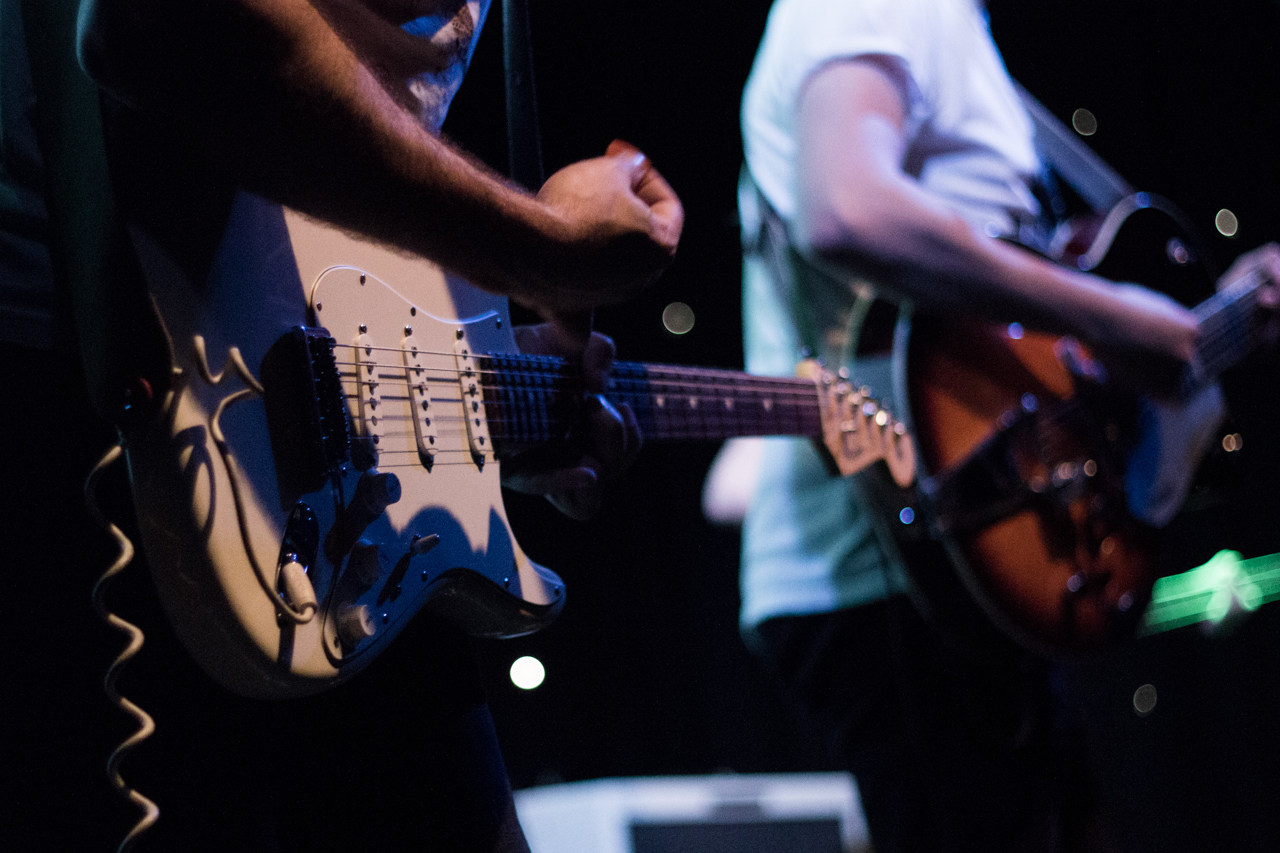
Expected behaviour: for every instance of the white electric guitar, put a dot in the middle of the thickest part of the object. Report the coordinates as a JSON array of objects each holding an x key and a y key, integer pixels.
[{"x": 327, "y": 460}]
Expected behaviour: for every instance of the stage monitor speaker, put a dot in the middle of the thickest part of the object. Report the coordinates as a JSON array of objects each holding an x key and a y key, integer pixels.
[{"x": 766, "y": 813}]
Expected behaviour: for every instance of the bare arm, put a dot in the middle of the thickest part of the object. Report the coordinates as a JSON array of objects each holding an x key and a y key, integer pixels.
[
  {"x": 858, "y": 209},
  {"x": 289, "y": 101}
]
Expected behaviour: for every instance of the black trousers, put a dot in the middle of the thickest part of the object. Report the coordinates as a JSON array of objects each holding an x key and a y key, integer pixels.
[
  {"x": 402, "y": 757},
  {"x": 950, "y": 752}
]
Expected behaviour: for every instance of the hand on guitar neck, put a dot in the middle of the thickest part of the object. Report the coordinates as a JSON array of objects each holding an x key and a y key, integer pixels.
[
  {"x": 1154, "y": 344},
  {"x": 609, "y": 436}
]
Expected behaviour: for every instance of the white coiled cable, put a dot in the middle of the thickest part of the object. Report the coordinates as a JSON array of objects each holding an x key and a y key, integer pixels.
[{"x": 146, "y": 725}]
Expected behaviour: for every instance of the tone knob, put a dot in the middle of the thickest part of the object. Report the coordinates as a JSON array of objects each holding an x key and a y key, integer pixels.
[{"x": 354, "y": 624}]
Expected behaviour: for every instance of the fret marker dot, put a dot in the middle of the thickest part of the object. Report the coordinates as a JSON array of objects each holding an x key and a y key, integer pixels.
[{"x": 678, "y": 318}]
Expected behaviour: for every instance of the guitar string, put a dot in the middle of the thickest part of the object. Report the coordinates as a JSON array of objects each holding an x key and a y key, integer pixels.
[
  {"x": 393, "y": 373},
  {"x": 698, "y": 412},
  {"x": 680, "y": 405},
  {"x": 511, "y": 430},
  {"x": 1221, "y": 317},
  {"x": 539, "y": 366},
  {"x": 799, "y": 387}
]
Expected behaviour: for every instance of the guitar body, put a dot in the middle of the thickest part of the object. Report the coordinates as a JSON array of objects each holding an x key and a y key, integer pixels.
[
  {"x": 325, "y": 461},
  {"x": 239, "y": 536},
  {"x": 1023, "y": 506},
  {"x": 1070, "y": 570}
]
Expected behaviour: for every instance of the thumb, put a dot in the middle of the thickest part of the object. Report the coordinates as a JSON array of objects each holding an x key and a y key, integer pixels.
[
  {"x": 572, "y": 328},
  {"x": 640, "y": 165}
]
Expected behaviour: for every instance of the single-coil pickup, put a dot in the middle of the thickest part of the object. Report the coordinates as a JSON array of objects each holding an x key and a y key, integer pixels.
[
  {"x": 423, "y": 417},
  {"x": 369, "y": 412},
  {"x": 472, "y": 398}
]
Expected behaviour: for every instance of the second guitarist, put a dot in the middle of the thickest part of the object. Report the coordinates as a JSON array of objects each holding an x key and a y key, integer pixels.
[{"x": 886, "y": 142}]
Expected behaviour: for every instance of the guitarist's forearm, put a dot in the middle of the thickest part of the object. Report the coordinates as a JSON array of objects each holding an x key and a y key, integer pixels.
[
  {"x": 295, "y": 112},
  {"x": 858, "y": 209}
]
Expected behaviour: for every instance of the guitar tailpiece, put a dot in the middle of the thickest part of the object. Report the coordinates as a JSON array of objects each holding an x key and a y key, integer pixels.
[{"x": 146, "y": 726}]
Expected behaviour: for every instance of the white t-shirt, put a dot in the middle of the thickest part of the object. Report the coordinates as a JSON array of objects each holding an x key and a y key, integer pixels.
[{"x": 807, "y": 548}]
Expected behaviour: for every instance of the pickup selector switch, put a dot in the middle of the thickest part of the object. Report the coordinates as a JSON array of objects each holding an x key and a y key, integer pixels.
[{"x": 375, "y": 492}]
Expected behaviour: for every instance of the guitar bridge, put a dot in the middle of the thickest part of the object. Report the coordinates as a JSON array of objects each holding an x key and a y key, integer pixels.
[
  {"x": 306, "y": 413},
  {"x": 1028, "y": 462}
]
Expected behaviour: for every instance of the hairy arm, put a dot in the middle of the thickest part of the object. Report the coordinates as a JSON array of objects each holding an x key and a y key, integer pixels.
[
  {"x": 297, "y": 101},
  {"x": 859, "y": 210}
]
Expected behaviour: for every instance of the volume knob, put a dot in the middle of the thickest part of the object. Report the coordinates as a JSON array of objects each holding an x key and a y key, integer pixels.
[{"x": 364, "y": 563}]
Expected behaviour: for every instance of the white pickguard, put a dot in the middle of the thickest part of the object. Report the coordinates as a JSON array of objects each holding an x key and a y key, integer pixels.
[{"x": 272, "y": 267}]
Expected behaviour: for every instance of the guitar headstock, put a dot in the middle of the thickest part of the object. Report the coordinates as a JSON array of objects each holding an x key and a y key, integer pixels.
[{"x": 856, "y": 430}]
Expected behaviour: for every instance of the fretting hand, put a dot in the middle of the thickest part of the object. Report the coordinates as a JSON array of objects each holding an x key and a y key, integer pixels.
[{"x": 610, "y": 438}]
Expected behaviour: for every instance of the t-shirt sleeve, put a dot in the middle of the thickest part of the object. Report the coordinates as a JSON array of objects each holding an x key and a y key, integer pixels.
[{"x": 809, "y": 34}]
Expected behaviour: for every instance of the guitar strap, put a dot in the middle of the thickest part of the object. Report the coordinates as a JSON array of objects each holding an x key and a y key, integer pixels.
[
  {"x": 1077, "y": 164},
  {"x": 122, "y": 345},
  {"x": 801, "y": 285},
  {"x": 524, "y": 143},
  {"x": 123, "y": 348}
]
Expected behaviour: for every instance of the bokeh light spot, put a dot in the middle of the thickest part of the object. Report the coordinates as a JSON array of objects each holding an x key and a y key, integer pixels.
[
  {"x": 527, "y": 672},
  {"x": 1226, "y": 223},
  {"x": 1144, "y": 699},
  {"x": 678, "y": 318},
  {"x": 1084, "y": 122}
]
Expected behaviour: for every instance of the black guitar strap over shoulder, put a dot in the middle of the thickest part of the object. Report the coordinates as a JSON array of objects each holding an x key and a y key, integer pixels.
[
  {"x": 524, "y": 143},
  {"x": 125, "y": 354},
  {"x": 1097, "y": 183}
]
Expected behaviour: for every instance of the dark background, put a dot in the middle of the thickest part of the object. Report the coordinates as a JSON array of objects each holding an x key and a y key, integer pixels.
[{"x": 645, "y": 671}]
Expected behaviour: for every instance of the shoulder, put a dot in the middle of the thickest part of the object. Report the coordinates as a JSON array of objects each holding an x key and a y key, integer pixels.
[{"x": 803, "y": 35}]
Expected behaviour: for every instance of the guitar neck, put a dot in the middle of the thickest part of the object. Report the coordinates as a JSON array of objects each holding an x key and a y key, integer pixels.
[
  {"x": 1231, "y": 326},
  {"x": 531, "y": 400}
]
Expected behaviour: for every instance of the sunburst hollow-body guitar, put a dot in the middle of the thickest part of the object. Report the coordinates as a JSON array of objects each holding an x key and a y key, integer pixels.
[{"x": 1048, "y": 496}]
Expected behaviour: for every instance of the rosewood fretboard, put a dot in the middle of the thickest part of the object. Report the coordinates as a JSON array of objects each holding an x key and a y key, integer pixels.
[{"x": 534, "y": 399}]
